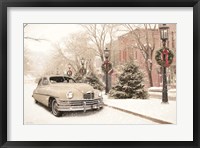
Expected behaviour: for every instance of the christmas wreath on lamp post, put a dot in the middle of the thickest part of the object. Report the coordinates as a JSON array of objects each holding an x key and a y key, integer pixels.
[
  {"x": 106, "y": 66},
  {"x": 164, "y": 57}
]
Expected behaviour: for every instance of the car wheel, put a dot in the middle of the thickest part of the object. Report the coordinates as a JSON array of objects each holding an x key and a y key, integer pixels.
[{"x": 54, "y": 110}]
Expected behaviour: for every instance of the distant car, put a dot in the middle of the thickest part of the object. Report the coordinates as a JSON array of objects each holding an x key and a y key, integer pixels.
[{"x": 61, "y": 93}]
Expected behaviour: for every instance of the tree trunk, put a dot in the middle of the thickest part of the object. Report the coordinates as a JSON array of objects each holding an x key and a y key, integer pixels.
[{"x": 149, "y": 74}]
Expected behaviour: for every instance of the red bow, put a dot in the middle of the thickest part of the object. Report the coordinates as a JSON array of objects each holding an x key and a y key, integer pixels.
[{"x": 165, "y": 54}]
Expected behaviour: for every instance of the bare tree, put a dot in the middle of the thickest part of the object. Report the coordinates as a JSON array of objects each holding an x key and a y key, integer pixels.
[
  {"x": 76, "y": 47},
  {"x": 144, "y": 36},
  {"x": 28, "y": 58},
  {"x": 99, "y": 35},
  {"x": 62, "y": 56},
  {"x": 32, "y": 38}
]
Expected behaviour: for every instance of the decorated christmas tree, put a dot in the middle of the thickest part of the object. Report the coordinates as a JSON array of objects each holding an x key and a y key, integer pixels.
[{"x": 130, "y": 84}]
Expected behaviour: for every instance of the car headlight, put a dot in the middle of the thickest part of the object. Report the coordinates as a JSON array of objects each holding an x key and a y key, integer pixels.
[
  {"x": 100, "y": 94},
  {"x": 69, "y": 95}
]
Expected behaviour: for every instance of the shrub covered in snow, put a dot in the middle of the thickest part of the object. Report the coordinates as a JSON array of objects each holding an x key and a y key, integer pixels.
[{"x": 130, "y": 84}]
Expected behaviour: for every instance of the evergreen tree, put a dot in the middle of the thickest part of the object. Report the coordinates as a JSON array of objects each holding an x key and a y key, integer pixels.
[
  {"x": 94, "y": 81},
  {"x": 78, "y": 77},
  {"x": 89, "y": 78},
  {"x": 130, "y": 84}
]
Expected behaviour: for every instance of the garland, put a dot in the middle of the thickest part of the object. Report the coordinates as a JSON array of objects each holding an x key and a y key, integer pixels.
[
  {"x": 109, "y": 66},
  {"x": 164, "y": 57}
]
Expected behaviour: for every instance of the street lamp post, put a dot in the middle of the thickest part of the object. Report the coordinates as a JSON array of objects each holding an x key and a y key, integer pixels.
[
  {"x": 82, "y": 70},
  {"x": 164, "y": 37},
  {"x": 106, "y": 53},
  {"x": 69, "y": 72},
  {"x": 82, "y": 62}
]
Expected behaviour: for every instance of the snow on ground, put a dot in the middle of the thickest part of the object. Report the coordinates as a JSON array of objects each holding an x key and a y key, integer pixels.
[
  {"x": 156, "y": 92},
  {"x": 155, "y": 89},
  {"x": 38, "y": 114},
  {"x": 158, "y": 95},
  {"x": 149, "y": 107}
]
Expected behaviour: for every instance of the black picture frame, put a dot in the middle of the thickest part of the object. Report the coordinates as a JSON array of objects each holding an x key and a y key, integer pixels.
[{"x": 4, "y": 4}]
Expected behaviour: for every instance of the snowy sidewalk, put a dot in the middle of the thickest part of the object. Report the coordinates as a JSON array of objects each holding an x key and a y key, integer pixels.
[
  {"x": 148, "y": 107},
  {"x": 156, "y": 92}
]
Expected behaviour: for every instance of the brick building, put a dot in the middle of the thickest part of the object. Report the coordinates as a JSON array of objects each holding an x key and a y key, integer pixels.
[{"x": 126, "y": 49}]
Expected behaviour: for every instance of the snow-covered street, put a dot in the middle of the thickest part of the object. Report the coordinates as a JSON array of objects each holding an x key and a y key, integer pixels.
[
  {"x": 38, "y": 114},
  {"x": 147, "y": 107}
]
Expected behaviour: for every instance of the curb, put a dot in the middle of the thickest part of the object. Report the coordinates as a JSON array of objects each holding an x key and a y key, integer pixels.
[{"x": 140, "y": 115}]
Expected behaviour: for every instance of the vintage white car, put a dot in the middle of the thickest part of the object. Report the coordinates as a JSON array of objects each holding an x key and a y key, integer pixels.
[{"x": 61, "y": 93}]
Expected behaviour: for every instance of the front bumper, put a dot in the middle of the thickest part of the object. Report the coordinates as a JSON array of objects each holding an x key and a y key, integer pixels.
[{"x": 80, "y": 105}]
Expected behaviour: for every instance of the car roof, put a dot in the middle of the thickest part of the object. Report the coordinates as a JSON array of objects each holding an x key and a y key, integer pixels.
[{"x": 48, "y": 76}]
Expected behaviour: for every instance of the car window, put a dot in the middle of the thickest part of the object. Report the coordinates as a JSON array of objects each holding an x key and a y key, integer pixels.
[
  {"x": 45, "y": 81},
  {"x": 57, "y": 79}
]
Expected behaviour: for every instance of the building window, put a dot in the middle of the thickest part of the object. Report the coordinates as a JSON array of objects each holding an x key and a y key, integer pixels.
[
  {"x": 124, "y": 55},
  {"x": 136, "y": 55},
  {"x": 120, "y": 53}
]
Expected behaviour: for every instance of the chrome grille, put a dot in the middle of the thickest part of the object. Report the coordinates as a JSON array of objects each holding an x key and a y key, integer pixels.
[
  {"x": 81, "y": 102},
  {"x": 88, "y": 96}
]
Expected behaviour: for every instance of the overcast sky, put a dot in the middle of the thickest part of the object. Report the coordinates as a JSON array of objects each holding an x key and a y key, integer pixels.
[{"x": 54, "y": 33}]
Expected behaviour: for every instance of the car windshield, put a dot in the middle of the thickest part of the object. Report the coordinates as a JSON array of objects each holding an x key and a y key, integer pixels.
[
  {"x": 61, "y": 79},
  {"x": 69, "y": 80}
]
